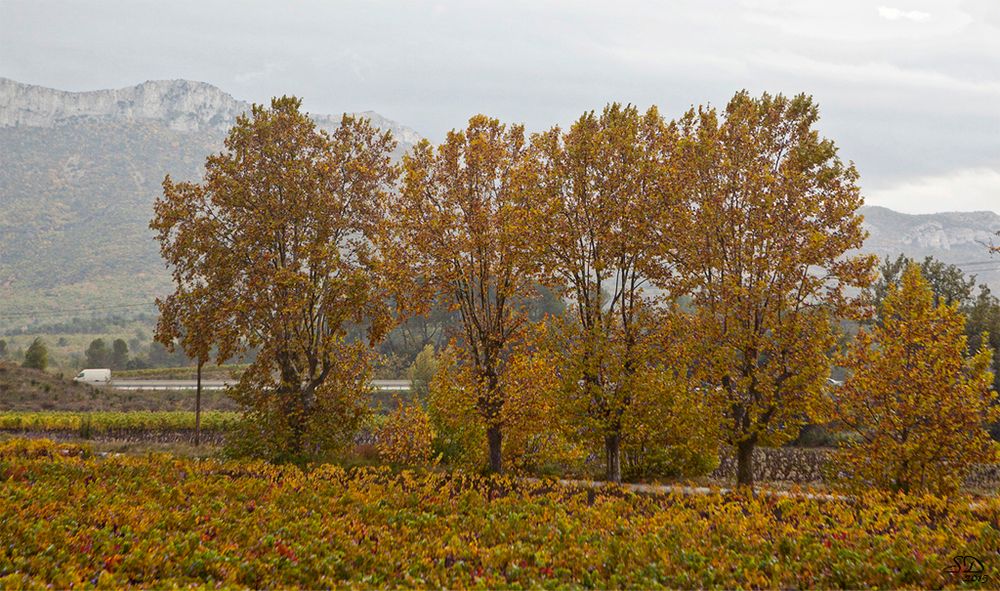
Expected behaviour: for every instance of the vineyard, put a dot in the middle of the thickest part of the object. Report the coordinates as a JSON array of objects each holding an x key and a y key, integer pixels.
[
  {"x": 98, "y": 423},
  {"x": 69, "y": 519}
]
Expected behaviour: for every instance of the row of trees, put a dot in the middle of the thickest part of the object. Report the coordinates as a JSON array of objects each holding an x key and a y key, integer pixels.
[{"x": 707, "y": 255}]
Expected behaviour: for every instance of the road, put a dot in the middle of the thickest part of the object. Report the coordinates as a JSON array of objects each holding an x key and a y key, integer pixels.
[{"x": 384, "y": 385}]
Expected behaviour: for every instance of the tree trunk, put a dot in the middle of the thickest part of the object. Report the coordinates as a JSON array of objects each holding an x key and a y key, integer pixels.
[
  {"x": 495, "y": 438},
  {"x": 613, "y": 456},
  {"x": 197, "y": 408},
  {"x": 744, "y": 462}
]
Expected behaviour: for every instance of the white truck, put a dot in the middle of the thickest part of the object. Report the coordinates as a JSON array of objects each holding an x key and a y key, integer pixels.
[{"x": 94, "y": 376}]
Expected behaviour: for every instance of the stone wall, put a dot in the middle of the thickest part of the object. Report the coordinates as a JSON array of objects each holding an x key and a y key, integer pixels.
[
  {"x": 803, "y": 465},
  {"x": 786, "y": 464}
]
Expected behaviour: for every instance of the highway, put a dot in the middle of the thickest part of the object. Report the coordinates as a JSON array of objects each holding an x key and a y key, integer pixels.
[{"x": 383, "y": 385}]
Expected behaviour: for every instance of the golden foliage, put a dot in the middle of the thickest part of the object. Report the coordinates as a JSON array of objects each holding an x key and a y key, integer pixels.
[
  {"x": 772, "y": 214},
  {"x": 597, "y": 185},
  {"x": 917, "y": 404},
  {"x": 68, "y": 520},
  {"x": 459, "y": 227},
  {"x": 406, "y": 437},
  {"x": 272, "y": 252}
]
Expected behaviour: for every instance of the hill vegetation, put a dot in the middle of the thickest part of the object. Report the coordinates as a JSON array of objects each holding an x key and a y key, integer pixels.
[
  {"x": 79, "y": 176},
  {"x": 31, "y": 390}
]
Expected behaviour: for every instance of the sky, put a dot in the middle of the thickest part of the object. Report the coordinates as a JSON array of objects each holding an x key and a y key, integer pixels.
[{"x": 908, "y": 89}]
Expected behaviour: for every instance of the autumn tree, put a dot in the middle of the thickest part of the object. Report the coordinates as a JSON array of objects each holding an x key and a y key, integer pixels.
[
  {"x": 273, "y": 251},
  {"x": 598, "y": 184},
  {"x": 458, "y": 228},
  {"x": 916, "y": 402},
  {"x": 950, "y": 285},
  {"x": 773, "y": 214},
  {"x": 186, "y": 320}
]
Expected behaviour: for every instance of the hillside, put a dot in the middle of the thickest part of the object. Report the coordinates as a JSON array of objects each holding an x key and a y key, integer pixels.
[
  {"x": 78, "y": 176},
  {"x": 960, "y": 238},
  {"x": 28, "y": 390}
]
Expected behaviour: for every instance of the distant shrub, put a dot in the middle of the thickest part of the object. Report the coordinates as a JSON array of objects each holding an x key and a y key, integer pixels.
[
  {"x": 422, "y": 372},
  {"x": 37, "y": 356}
]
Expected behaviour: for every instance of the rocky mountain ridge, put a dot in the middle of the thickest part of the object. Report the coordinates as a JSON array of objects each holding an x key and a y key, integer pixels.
[
  {"x": 960, "y": 238},
  {"x": 181, "y": 105},
  {"x": 953, "y": 232}
]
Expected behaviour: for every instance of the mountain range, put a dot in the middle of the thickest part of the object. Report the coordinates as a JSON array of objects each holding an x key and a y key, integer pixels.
[{"x": 79, "y": 172}]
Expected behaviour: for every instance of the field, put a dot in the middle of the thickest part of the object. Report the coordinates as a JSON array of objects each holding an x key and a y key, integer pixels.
[
  {"x": 100, "y": 423},
  {"x": 71, "y": 519}
]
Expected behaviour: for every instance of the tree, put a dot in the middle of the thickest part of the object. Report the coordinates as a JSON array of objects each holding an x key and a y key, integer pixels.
[
  {"x": 949, "y": 284},
  {"x": 98, "y": 354},
  {"x": 3, "y": 349},
  {"x": 119, "y": 354},
  {"x": 186, "y": 318},
  {"x": 273, "y": 252},
  {"x": 918, "y": 405},
  {"x": 159, "y": 356},
  {"x": 37, "y": 355},
  {"x": 982, "y": 326},
  {"x": 773, "y": 212},
  {"x": 458, "y": 227},
  {"x": 422, "y": 372},
  {"x": 599, "y": 182}
]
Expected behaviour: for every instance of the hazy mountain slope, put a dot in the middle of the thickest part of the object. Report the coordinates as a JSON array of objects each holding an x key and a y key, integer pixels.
[
  {"x": 961, "y": 238},
  {"x": 75, "y": 203},
  {"x": 78, "y": 176}
]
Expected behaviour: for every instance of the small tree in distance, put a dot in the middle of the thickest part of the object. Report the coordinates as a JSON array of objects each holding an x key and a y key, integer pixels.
[
  {"x": 98, "y": 354},
  {"x": 119, "y": 354},
  {"x": 916, "y": 403},
  {"x": 37, "y": 355}
]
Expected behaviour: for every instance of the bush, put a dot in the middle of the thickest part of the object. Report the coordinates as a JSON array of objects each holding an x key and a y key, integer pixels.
[
  {"x": 278, "y": 426},
  {"x": 460, "y": 434},
  {"x": 422, "y": 372},
  {"x": 670, "y": 428},
  {"x": 406, "y": 437},
  {"x": 536, "y": 429}
]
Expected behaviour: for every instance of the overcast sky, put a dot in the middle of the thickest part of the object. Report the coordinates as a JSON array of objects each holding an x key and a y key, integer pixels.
[{"x": 909, "y": 89}]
